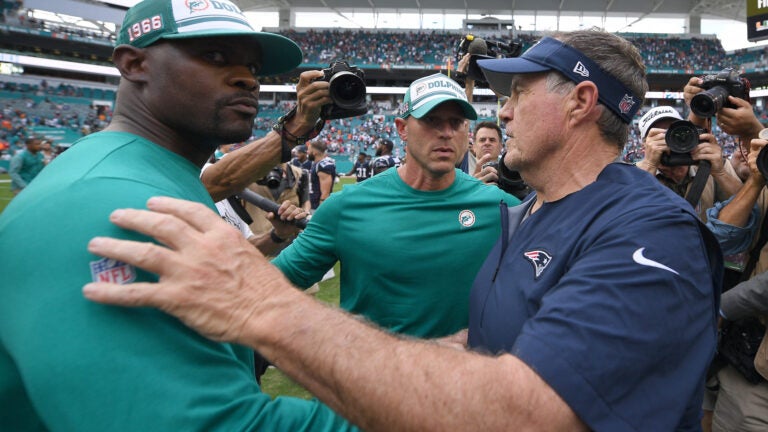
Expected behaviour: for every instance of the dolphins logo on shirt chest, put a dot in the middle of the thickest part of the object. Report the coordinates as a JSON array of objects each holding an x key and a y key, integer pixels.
[{"x": 466, "y": 218}]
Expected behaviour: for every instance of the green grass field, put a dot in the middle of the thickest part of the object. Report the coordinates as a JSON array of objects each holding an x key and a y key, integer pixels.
[
  {"x": 5, "y": 191},
  {"x": 273, "y": 382}
]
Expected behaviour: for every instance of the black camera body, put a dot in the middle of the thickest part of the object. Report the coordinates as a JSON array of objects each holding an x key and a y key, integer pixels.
[
  {"x": 347, "y": 88},
  {"x": 509, "y": 179},
  {"x": 762, "y": 157},
  {"x": 492, "y": 164},
  {"x": 682, "y": 137},
  {"x": 273, "y": 178},
  {"x": 480, "y": 49},
  {"x": 717, "y": 88},
  {"x": 762, "y": 161}
]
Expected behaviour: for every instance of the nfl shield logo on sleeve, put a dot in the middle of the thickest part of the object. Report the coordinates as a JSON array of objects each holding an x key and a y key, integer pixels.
[{"x": 112, "y": 271}]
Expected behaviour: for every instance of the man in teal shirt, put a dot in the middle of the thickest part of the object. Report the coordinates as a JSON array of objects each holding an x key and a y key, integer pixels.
[
  {"x": 189, "y": 84},
  {"x": 410, "y": 240},
  {"x": 26, "y": 164}
]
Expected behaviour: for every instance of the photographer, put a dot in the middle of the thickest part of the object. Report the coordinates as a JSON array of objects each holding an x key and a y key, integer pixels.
[
  {"x": 730, "y": 105},
  {"x": 468, "y": 51},
  {"x": 483, "y": 156},
  {"x": 284, "y": 183},
  {"x": 487, "y": 146},
  {"x": 722, "y": 182},
  {"x": 739, "y": 395}
]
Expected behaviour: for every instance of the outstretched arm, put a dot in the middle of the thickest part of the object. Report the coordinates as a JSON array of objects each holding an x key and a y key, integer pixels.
[
  {"x": 253, "y": 161},
  {"x": 376, "y": 379},
  {"x": 738, "y": 210}
]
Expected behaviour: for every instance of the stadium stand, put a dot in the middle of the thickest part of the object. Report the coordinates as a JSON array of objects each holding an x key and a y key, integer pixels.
[{"x": 65, "y": 108}]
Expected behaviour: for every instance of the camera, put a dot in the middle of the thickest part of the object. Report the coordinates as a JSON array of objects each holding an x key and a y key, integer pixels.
[
  {"x": 682, "y": 137},
  {"x": 762, "y": 162},
  {"x": 717, "y": 88},
  {"x": 762, "y": 157},
  {"x": 273, "y": 178},
  {"x": 492, "y": 164},
  {"x": 479, "y": 49},
  {"x": 509, "y": 179},
  {"x": 347, "y": 88}
]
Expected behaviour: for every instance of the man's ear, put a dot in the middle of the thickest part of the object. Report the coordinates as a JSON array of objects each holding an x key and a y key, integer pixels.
[
  {"x": 583, "y": 102},
  {"x": 401, "y": 130},
  {"x": 130, "y": 61}
]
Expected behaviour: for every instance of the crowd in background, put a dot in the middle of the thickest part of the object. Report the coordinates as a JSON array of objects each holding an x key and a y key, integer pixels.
[
  {"x": 69, "y": 106},
  {"x": 61, "y": 107},
  {"x": 437, "y": 47},
  {"x": 390, "y": 48},
  {"x": 25, "y": 107}
]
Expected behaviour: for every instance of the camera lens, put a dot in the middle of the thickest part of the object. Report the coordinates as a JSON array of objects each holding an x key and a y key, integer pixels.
[
  {"x": 708, "y": 102},
  {"x": 682, "y": 136},
  {"x": 347, "y": 89},
  {"x": 272, "y": 179},
  {"x": 762, "y": 162}
]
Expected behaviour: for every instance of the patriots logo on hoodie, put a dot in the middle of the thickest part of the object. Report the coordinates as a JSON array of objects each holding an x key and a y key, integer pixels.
[{"x": 539, "y": 259}]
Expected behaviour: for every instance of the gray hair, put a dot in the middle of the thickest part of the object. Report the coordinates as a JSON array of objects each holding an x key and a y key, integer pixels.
[{"x": 618, "y": 57}]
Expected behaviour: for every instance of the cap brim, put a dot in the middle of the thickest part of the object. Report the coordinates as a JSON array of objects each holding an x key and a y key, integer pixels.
[
  {"x": 499, "y": 72},
  {"x": 466, "y": 107},
  {"x": 279, "y": 53},
  {"x": 644, "y": 130}
]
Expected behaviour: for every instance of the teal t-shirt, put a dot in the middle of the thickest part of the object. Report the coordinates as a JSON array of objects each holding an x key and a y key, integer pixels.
[
  {"x": 70, "y": 364},
  {"x": 408, "y": 257}
]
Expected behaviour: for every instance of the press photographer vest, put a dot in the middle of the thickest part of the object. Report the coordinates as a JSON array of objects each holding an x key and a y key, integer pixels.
[{"x": 709, "y": 195}]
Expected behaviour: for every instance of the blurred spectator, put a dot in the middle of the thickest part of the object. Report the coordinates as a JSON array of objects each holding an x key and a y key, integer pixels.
[{"x": 26, "y": 165}]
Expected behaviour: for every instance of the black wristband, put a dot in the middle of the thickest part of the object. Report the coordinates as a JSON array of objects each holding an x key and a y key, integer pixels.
[
  {"x": 275, "y": 239},
  {"x": 287, "y": 137},
  {"x": 285, "y": 150}
]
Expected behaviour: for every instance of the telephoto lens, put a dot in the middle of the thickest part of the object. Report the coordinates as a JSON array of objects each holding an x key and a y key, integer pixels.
[
  {"x": 347, "y": 89},
  {"x": 709, "y": 102}
]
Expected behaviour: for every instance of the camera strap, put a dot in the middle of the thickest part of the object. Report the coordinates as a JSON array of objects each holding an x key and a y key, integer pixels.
[
  {"x": 237, "y": 206},
  {"x": 698, "y": 183}
]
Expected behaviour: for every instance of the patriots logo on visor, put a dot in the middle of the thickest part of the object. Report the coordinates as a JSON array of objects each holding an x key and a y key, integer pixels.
[{"x": 539, "y": 259}]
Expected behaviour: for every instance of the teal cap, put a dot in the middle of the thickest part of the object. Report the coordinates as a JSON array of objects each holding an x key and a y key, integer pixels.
[
  {"x": 426, "y": 93},
  {"x": 152, "y": 20}
]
